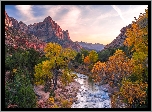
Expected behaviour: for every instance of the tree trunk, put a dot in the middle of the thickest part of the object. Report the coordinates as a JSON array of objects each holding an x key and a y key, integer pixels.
[{"x": 55, "y": 75}]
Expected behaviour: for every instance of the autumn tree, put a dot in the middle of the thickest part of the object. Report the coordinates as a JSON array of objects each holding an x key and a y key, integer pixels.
[
  {"x": 98, "y": 71},
  {"x": 91, "y": 59},
  {"x": 117, "y": 67},
  {"x": 58, "y": 59},
  {"x": 93, "y": 56},
  {"x": 87, "y": 60},
  {"x": 134, "y": 93},
  {"x": 134, "y": 89},
  {"x": 80, "y": 56},
  {"x": 138, "y": 38}
]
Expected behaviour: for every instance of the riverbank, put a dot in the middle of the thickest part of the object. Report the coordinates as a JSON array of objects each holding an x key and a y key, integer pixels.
[
  {"x": 109, "y": 89},
  {"x": 64, "y": 95},
  {"x": 76, "y": 93}
]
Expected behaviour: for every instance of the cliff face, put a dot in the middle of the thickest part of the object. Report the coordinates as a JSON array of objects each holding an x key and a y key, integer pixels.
[
  {"x": 46, "y": 31},
  {"x": 119, "y": 39},
  {"x": 16, "y": 36},
  {"x": 49, "y": 31}
]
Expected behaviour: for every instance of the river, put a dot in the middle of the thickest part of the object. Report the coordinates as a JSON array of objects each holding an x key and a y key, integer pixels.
[{"x": 91, "y": 95}]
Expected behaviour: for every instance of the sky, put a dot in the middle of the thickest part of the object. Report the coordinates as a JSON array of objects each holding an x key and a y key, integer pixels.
[{"x": 87, "y": 23}]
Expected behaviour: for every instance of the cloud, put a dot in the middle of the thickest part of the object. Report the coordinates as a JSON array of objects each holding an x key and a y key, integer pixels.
[
  {"x": 72, "y": 16},
  {"x": 97, "y": 23},
  {"x": 133, "y": 11},
  {"x": 26, "y": 12},
  {"x": 119, "y": 12}
]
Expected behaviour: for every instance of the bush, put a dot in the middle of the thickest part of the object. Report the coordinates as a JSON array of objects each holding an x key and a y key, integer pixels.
[
  {"x": 105, "y": 54},
  {"x": 20, "y": 91}
]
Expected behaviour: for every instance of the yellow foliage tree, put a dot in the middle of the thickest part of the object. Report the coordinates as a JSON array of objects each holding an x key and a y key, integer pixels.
[
  {"x": 98, "y": 71},
  {"x": 87, "y": 60},
  {"x": 58, "y": 58}
]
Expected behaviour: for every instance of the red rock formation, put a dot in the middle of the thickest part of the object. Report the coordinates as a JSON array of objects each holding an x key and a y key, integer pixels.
[
  {"x": 8, "y": 22},
  {"x": 47, "y": 31}
]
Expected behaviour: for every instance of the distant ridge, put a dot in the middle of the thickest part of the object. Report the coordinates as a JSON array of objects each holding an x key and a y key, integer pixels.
[{"x": 90, "y": 46}]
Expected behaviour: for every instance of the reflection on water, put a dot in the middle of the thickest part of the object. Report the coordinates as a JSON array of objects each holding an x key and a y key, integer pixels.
[{"x": 90, "y": 95}]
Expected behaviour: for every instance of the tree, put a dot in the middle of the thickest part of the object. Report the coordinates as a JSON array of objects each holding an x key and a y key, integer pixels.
[
  {"x": 58, "y": 59},
  {"x": 118, "y": 67},
  {"x": 87, "y": 60},
  {"x": 93, "y": 56},
  {"x": 114, "y": 70},
  {"x": 137, "y": 36},
  {"x": 90, "y": 59},
  {"x": 134, "y": 93},
  {"x": 98, "y": 71},
  {"x": 105, "y": 54},
  {"x": 78, "y": 58},
  {"x": 84, "y": 52},
  {"x": 134, "y": 89},
  {"x": 20, "y": 91}
]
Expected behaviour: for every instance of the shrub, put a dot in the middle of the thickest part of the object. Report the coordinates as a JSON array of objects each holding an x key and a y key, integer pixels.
[{"x": 20, "y": 92}]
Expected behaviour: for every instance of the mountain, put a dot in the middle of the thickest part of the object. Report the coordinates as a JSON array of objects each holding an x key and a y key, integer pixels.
[
  {"x": 18, "y": 39},
  {"x": 46, "y": 31},
  {"x": 119, "y": 39},
  {"x": 90, "y": 46}
]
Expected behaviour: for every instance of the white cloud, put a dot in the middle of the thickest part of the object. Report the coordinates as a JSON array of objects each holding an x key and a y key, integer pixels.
[
  {"x": 119, "y": 12},
  {"x": 133, "y": 11},
  {"x": 71, "y": 18},
  {"x": 26, "y": 12}
]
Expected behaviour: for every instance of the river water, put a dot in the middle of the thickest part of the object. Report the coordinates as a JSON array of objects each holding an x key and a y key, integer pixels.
[{"x": 91, "y": 95}]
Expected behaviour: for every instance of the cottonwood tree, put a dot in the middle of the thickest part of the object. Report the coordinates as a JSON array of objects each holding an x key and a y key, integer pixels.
[{"x": 58, "y": 59}]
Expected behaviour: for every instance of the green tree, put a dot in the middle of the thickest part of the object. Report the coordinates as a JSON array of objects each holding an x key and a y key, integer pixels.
[
  {"x": 20, "y": 91},
  {"x": 105, "y": 54}
]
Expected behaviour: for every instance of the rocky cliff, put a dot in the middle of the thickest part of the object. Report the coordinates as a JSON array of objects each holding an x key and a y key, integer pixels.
[
  {"x": 46, "y": 31},
  {"x": 16, "y": 36},
  {"x": 119, "y": 39}
]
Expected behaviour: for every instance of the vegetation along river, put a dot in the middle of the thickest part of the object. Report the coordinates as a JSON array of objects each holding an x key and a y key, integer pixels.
[{"x": 91, "y": 95}]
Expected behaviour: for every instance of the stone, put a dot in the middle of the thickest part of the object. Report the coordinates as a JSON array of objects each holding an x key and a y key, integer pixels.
[
  {"x": 77, "y": 102},
  {"x": 101, "y": 100},
  {"x": 85, "y": 106},
  {"x": 105, "y": 89}
]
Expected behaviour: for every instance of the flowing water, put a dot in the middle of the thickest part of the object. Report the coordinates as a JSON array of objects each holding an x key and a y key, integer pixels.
[{"x": 91, "y": 95}]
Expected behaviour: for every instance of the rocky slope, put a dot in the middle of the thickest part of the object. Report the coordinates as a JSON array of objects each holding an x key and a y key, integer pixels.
[
  {"x": 119, "y": 39},
  {"x": 18, "y": 39},
  {"x": 90, "y": 46},
  {"x": 46, "y": 31}
]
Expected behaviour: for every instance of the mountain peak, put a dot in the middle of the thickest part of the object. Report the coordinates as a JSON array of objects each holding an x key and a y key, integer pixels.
[
  {"x": 46, "y": 31},
  {"x": 47, "y": 19}
]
